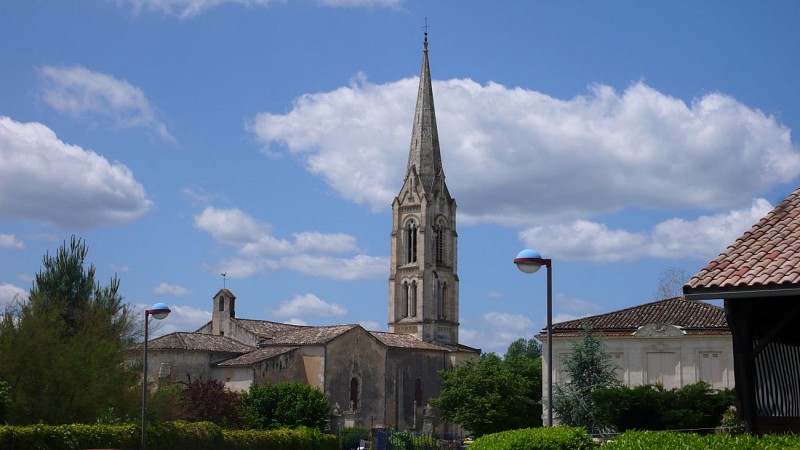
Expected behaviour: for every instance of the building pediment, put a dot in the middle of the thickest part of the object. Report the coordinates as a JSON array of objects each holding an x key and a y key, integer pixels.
[{"x": 659, "y": 330}]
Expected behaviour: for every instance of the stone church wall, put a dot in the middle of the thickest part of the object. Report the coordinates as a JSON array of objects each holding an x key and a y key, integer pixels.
[{"x": 413, "y": 377}]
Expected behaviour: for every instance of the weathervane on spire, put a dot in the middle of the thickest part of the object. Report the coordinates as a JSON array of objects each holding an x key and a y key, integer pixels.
[{"x": 224, "y": 274}]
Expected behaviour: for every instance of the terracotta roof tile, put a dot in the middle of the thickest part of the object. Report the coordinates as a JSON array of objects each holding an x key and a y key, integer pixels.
[
  {"x": 255, "y": 356},
  {"x": 306, "y": 335},
  {"x": 406, "y": 341},
  {"x": 198, "y": 341},
  {"x": 767, "y": 255},
  {"x": 695, "y": 318}
]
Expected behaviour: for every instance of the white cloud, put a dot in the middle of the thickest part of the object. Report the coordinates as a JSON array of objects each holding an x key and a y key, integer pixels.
[
  {"x": 497, "y": 332},
  {"x": 11, "y": 241},
  {"x": 84, "y": 94},
  {"x": 185, "y": 9},
  {"x": 701, "y": 239},
  {"x": 180, "y": 318},
  {"x": 42, "y": 178},
  {"x": 309, "y": 305},
  {"x": 10, "y": 293},
  {"x": 171, "y": 289},
  {"x": 512, "y": 155},
  {"x": 371, "y": 325},
  {"x": 310, "y": 252}
]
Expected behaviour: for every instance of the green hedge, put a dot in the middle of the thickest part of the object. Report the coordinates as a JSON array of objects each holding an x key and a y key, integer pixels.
[
  {"x": 668, "y": 440},
  {"x": 556, "y": 438},
  {"x": 170, "y": 435}
]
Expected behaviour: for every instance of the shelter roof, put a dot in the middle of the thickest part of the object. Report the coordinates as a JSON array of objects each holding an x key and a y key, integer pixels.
[
  {"x": 766, "y": 257},
  {"x": 695, "y": 318}
]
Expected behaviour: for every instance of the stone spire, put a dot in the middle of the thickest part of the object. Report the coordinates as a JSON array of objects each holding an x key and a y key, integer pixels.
[
  {"x": 424, "y": 157},
  {"x": 423, "y": 279}
]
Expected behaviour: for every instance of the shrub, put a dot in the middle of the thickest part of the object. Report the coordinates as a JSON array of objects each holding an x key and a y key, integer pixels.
[
  {"x": 555, "y": 438},
  {"x": 651, "y": 407},
  {"x": 349, "y": 438},
  {"x": 291, "y": 405},
  {"x": 637, "y": 440}
]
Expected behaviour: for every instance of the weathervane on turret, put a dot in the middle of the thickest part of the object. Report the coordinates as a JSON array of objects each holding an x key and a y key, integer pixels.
[{"x": 224, "y": 274}]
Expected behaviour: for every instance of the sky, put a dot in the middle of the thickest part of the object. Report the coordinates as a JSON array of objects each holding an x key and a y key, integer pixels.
[{"x": 183, "y": 139}]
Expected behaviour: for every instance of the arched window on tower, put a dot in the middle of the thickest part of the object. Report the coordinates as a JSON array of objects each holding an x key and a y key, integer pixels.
[
  {"x": 444, "y": 301},
  {"x": 439, "y": 236},
  {"x": 410, "y": 241},
  {"x": 354, "y": 394},
  {"x": 404, "y": 301},
  {"x": 412, "y": 299},
  {"x": 222, "y": 303},
  {"x": 440, "y": 299}
]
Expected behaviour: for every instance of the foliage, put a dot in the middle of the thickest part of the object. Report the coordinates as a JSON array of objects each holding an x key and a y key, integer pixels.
[
  {"x": 210, "y": 400},
  {"x": 588, "y": 367},
  {"x": 76, "y": 328},
  {"x": 638, "y": 440},
  {"x": 350, "y": 437},
  {"x": 167, "y": 404},
  {"x": 404, "y": 440},
  {"x": 5, "y": 400},
  {"x": 291, "y": 405},
  {"x": 171, "y": 435},
  {"x": 651, "y": 407},
  {"x": 492, "y": 394},
  {"x": 555, "y": 438},
  {"x": 730, "y": 419}
]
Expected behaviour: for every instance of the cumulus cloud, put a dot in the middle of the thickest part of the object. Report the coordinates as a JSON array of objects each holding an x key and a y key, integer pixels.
[
  {"x": 701, "y": 239},
  {"x": 84, "y": 94},
  {"x": 11, "y": 241},
  {"x": 308, "y": 305},
  {"x": 189, "y": 8},
  {"x": 515, "y": 156},
  {"x": 181, "y": 318},
  {"x": 45, "y": 179},
  {"x": 171, "y": 289},
  {"x": 259, "y": 250},
  {"x": 10, "y": 293}
]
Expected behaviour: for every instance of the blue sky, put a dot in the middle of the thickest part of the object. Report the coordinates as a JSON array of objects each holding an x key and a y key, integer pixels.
[{"x": 266, "y": 139}]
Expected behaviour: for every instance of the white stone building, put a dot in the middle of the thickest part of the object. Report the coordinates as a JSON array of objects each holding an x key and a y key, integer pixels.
[{"x": 673, "y": 342}]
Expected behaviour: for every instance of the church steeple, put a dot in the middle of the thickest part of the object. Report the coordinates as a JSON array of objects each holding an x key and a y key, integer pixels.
[
  {"x": 423, "y": 281},
  {"x": 425, "y": 157}
]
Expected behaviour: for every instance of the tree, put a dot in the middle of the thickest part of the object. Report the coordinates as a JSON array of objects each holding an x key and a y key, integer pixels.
[
  {"x": 286, "y": 404},
  {"x": 491, "y": 394},
  {"x": 588, "y": 367},
  {"x": 670, "y": 285},
  {"x": 210, "y": 400},
  {"x": 62, "y": 350}
]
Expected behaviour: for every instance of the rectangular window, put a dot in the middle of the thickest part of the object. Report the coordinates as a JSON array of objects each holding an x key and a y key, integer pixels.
[
  {"x": 662, "y": 367},
  {"x": 711, "y": 369}
]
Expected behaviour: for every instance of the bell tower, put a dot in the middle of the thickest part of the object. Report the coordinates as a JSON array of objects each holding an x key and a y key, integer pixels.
[{"x": 423, "y": 280}]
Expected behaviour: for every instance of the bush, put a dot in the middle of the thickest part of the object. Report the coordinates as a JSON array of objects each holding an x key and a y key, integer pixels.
[
  {"x": 555, "y": 438},
  {"x": 637, "y": 440},
  {"x": 349, "y": 438},
  {"x": 651, "y": 407},
  {"x": 173, "y": 436},
  {"x": 286, "y": 405},
  {"x": 404, "y": 440}
]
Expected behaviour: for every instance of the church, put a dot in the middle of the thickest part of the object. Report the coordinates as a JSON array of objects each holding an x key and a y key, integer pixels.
[{"x": 370, "y": 378}]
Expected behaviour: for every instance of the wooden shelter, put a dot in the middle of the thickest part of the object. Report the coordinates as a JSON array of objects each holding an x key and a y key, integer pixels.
[{"x": 758, "y": 277}]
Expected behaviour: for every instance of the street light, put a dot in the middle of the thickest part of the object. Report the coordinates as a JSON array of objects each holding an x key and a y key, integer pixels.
[
  {"x": 530, "y": 261},
  {"x": 158, "y": 311}
]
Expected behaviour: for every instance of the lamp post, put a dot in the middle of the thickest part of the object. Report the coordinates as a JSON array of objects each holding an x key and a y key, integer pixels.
[
  {"x": 158, "y": 311},
  {"x": 529, "y": 261}
]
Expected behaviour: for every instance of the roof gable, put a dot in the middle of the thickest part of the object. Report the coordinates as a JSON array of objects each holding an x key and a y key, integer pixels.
[{"x": 765, "y": 257}]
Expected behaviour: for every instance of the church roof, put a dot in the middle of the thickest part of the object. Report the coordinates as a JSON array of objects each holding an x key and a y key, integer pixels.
[
  {"x": 198, "y": 341},
  {"x": 255, "y": 356},
  {"x": 406, "y": 341},
  {"x": 307, "y": 335},
  {"x": 264, "y": 327},
  {"x": 765, "y": 259},
  {"x": 425, "y": 155},
  {"x": 694, "y": 318}
]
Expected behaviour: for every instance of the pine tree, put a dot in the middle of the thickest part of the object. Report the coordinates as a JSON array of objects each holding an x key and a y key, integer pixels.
[{"x": 588, "y": 367}]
